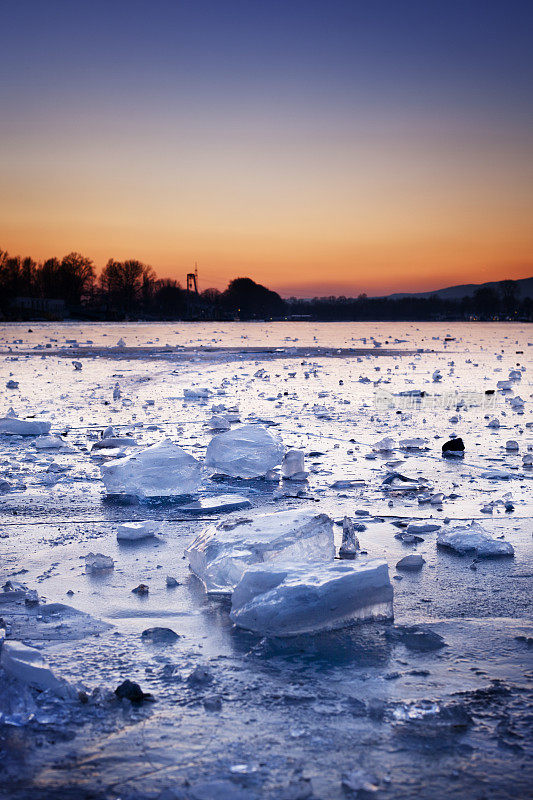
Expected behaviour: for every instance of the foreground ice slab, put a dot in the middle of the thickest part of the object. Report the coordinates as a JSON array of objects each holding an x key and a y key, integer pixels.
[
  {"x": 287, "y": 599},
  {"x": 23, "y": 427},
  {"x": 475, "y": 539},
  {"x": 27, "y": 665},
  {"x": 248, "y": 451},
  {"x": 163, "y": 470},
  {"x": 220, "y": 555}
]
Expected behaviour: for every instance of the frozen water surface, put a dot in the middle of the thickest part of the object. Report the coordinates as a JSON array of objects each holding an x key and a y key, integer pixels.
[{"x": 235, "y": 714}]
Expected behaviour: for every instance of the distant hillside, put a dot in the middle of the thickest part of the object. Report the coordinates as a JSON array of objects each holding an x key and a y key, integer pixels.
[{"x": 524, "y": 289}]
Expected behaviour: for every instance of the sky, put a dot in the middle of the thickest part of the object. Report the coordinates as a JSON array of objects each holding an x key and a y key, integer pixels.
[{"x": 317, "y": 146}]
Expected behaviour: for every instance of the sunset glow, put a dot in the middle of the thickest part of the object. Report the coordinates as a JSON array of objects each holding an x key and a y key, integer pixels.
[{"x": 318, "y": 148}]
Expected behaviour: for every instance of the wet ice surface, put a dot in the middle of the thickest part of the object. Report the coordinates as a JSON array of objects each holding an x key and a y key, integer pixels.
[{"x": 237, "y": 715}]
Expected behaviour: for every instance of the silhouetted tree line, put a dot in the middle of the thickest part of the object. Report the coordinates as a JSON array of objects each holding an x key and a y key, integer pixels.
[
  {"x": 487, "y": 303},
  {"x": 131, "y": 289}
]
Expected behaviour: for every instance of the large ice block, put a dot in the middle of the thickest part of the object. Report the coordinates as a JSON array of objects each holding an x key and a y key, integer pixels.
[
  {"x": 248, "y": 451},
  {"x": 285, "y": 599},
  {"x": 163, "y": 470},
  {"x": 221, "y": 554}
]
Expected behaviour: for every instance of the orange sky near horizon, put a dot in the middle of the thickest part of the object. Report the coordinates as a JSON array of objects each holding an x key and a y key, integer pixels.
[{"x": 379, "y": 168}]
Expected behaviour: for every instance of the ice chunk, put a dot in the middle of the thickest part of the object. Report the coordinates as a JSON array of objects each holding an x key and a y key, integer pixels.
[
  {"x": 26, "y": 664},
  {"x": 111, "y": 442},
  {"x": 221, "y": 554},
  {"x": 162, "y": 470},
  {"x": 496, "y": 474},
  {"x": 133, "y": 531},
  {"x": 413, "y": 444},
  {"x": 288, "y": 599},
  {"x": 22, "y": 427},
  {"x": 350, "y": 542},
  {"x": 475, "y": 539},
  {"x": 49, "y": 443},
  {"x": 196, "y": 394},
  {"x": 97, "y": 561},
  {"x": 217, "y": 503},
  {"x": 384, "y": 445},
  {"x": 248, "y": 451},
  {"x": 220, "y": 422},
  {"x": 293, "y": 466}
]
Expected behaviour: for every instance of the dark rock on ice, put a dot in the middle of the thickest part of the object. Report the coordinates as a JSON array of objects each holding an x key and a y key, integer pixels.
[
  {"x": 141, "y": 589},
  {"x": 131, "y": 691},
  {"x": 160, "y": 636},
  {"x": 453, "y": 445},
  {"x": 411, "y": 562}
]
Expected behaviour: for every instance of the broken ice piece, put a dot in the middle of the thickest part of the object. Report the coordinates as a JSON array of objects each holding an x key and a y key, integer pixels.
[
  {"x": 162, "y": 470},
  {"x": 288, "y": 599},
  {"x": 216, "y": 504},
  {"x": 384, "y": 445},
  {"x": 221, "y": 554},
  {"x": 413, "y": 444},
  {"x": 248, "y": 451},
  {"x": 196, "y": 394},
  {"x": 133, "y": 531},
  {"x": 21, "y": 427},
  {"x": 474, "y": 538},
  {"x": 48, "y": 443},
  {"x": 496, "y": 474},
  {"x": 97, "y": 561},
  {"x": 350, "y": 542},
  {"x": 26, "y": 664},
  {"x": 293, "y": 466}
]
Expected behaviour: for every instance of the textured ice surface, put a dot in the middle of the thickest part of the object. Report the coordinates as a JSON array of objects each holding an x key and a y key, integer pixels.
[
  {"x": 163, "y": 470},
  {"x": 287, "y": 599},
  {"x": 27, "y": 665},
  {"x": 23, "y": 427},
  {"x": 474, "y": 538},
  {"x": 248, "y": 451},
  {"x": 221, "y": 554}
]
